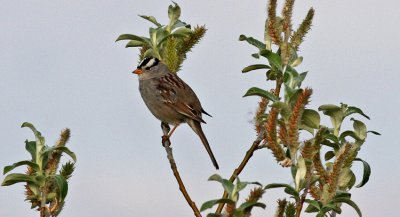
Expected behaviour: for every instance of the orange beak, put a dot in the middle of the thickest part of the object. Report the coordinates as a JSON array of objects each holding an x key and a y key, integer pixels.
[{"x": 138, "y": 71}]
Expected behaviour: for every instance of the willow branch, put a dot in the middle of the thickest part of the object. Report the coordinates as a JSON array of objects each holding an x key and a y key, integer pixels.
[
  {"x": 166, "y": 143},
  {"x": 240, "y": 168}
]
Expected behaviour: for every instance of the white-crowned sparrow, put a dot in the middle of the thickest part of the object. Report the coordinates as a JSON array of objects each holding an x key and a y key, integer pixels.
[{"x": 170, "y": 99}]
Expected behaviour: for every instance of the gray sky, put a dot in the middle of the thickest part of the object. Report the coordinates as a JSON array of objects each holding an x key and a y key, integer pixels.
[{"x": 61, "y": 68}]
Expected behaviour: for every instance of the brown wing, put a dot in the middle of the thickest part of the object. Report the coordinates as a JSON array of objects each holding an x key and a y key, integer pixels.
[{"x": 177, "y": 94}]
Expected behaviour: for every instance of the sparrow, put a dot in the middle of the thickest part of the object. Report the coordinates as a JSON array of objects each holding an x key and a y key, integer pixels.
[{"x": 170, "y": 99}]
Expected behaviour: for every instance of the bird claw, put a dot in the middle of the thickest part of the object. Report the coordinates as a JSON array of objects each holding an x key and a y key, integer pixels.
[{"x": 165, "y": 141}]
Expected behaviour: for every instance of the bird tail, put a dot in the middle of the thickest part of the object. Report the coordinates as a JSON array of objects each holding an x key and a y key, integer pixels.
[{"x": 196, "y": 126}]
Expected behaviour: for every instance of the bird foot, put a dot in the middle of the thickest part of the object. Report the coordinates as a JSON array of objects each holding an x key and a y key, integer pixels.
[{"x": 165, "y": 141}]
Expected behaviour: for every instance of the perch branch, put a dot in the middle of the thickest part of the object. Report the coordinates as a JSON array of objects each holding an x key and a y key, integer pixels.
[{"x": 166, "y": 143}]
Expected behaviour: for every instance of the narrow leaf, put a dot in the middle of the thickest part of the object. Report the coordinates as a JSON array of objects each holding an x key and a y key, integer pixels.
[
  {"x": 151, "y": 19},
  {"x": 255, "y": 67},
  {"x": 30, "y": 146},
  {"x": 246, "y": 205},
  {"x": 374, "y": 132},
  {"x": 62, "y": 186},
  {"x": 273, "y": 58},
  {"x": 209, "y": 204},
  {"x": 16, "y": 178},
  {"x": 351, "y": 110},
  {"x": 34, "y": 166},
  {"x": 366, "y": 174},
  {"x": 346, "y": 133},
  {"x": 328, "y": 108},
  {"x": 130, "y": 37},
  {"x": 228, "y": 186},
  {"x": 134, "y": 43},
  {"x": 255, "y": 91},
  {"x": 350, "y": 203},
  {"x": 252, "y": 41}
]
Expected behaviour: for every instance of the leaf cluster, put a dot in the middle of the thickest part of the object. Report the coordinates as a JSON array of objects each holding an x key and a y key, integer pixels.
[
  {"x": 233, "y": 208},
  {"x": 169, "y": 43},
  {"x": 322, "y": 183},
  {"x": 46, "y": 185}
]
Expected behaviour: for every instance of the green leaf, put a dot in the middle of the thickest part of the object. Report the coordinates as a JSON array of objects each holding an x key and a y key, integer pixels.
[
  {"x": 134, "y": 43},
  {"x": 350, "y": 203},
  {"x": 352, "y": 180},
  {"x": 255, "y": 67},
  {"x": 34, "y": 166},
  {"x": 351, "y": 110},
  {"x": 346, "y": 133},
  {"x": 374, "y": 132},
  {"x": 344, "y": 177},
  {"x": 297, "y": 62},
  {"x": 333, "y": 145},
  {"x": 291, "y": 191},
  {"x": 342, "y": 194},
  {"x": 213, "y": 215},
  {"x": 331, "y": 137},
  {"x": 311, "y": 118},
  {"x": 60, "y": 149},
  {"x": 228, "y": 186},
  {"x": 332, "y": 206},
  {"x": 336, "y": 114},
  {"x": 62, "y": 186},
  {"x": 209, "y": 204},
  {"x": 39, "y": 138},
  {"x": 179, "y": 24},
  {"x": 255, "y": 91},
  {"x": 301, "y": 173},
  {"x": 273, "y": 58},
  {"x": 174, "y": 12},
  {"x": 366, "y": 174},
  {"x": 313, "y": 206},
  {"x": 247, "y": 205},
  {"x": 291, "y": 95},
  {"x": 130, "y": 37},
  {"x": 277, "y": 185},
  {"x": 327, "y": 108},
  {"x": 182, "y": 31},
  {"x": 30, "y": 146},
  {"x": 149, "y": 53},
  {"x": 359, "y": 129},
  {"x": 16, "y": 178},
  {"x": 253, "y": 41},
  {"x": 288, "y": 189},
  {"x": 255, "y": 55},
  {"x": 329, "y": 155},
  {"x": 151, "y": 19}
]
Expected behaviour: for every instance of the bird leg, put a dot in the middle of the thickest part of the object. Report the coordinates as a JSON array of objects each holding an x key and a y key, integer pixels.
[
  {"x": 167, "y": 133},
  {"x": 172, "y": 131},
  {"x": 165, "y": 138}
]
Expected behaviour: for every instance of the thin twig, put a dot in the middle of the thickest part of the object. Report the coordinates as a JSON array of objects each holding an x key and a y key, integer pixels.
[
  {"x": 167, "y": 143},
  {"x": 239, "y": 169},
  {"x": 254, "y": 147},
  {"x": 303, "y": 196}
]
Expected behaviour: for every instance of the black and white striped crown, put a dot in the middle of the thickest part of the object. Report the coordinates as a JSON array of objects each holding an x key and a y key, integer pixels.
[{"x": 148, "y": 62}]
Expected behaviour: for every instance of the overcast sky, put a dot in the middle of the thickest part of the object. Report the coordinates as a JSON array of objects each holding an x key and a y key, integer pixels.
[{"x": 60, "y": 68}]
